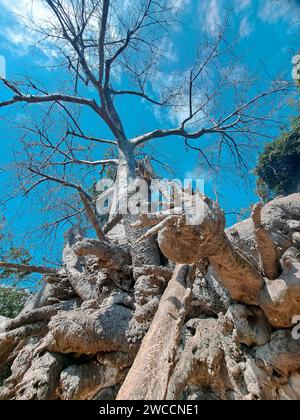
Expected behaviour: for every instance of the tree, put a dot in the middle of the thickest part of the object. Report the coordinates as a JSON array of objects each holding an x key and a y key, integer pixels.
[
  {"x": 93, "y": 312},
  {"x": 94, "y": 41}
]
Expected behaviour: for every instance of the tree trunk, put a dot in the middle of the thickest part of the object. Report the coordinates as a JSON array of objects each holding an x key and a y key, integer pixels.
[
  {"x": 150, "y": 373},
  {"x": 185, "y": 336}
]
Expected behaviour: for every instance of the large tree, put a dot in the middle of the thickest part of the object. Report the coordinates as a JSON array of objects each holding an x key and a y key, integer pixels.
[
  {"x": 96, "y": 41},
  {"x": 91, "y": 315}
]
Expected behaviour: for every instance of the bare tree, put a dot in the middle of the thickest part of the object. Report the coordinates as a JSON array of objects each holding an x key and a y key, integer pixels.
[{"x": 97, "y": 40}]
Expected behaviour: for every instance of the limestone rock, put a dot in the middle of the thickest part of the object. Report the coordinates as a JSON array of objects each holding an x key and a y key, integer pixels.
[
  {"x": 90, "y": 331},
  {"x": 40, "y": 381},
  {"x": 84, "y": 382},
  {"x": 251, "y": 325},
  {"x": 4, "y": 321},
  {"x": 214, "y": 329},
  {"x": 281, "y": 354},
  {"x": 209, "y": 297},
  {"x": 291, "y": 390},
  {"x": 280, "y": 298}
]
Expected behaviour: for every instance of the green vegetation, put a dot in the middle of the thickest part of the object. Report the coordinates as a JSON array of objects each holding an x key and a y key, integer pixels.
[
  {"x": 5, "y": 373},
  {"x": 12, "y": 301},
  {"x": 278, "y": 169}
]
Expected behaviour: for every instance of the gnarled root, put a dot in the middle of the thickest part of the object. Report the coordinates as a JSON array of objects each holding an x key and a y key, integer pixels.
[
  {"x": 280, "y": 298},
  {"x": 186, "y": 244},
  {"x": 42, "y": 314},
  {"x": 149, "y": 375},
  {"x": 268, "y": 251},
  {"x": 84, "y": 382}
]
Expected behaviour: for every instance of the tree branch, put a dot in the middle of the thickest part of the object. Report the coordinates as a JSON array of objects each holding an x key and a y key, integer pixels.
[
  {"x": 75, "y": 161},
  {"x": 94, "y": 139},
  {"x": 62, "y": 182},
  {"x": 104, "y": 19},
  {"x": 23, "y": 268},
  {"x": 93, "y": 218},
  {"x": 217, "y": 128},
  {"x": 84, "y": 196},
  {"x": 56, "y": 97},
  {"x": 140, "y": 94}
]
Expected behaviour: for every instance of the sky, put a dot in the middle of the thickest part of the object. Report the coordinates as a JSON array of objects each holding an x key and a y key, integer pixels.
[{"x": 266, "y": 34}]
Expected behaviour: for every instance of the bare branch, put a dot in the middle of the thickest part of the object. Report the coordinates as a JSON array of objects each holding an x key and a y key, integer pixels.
[
  {"x": 94, "y": 139},
  {"x": 104, "y": 162},
  {"x": 93, "y": 218},
  {"x": 35, "y": 99},
  {"x": 104, "y": 18},
  {"x": 23, "y": 268},
  {"x": 217, "y": 128},
  {"x": 113, "y": 223},
  {"x": 62, "y": 182},
  {"x": 85, "y": 198},
  {"x": 140, "y": 94}
]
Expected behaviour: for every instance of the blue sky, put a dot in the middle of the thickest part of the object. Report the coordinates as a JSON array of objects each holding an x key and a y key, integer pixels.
[{"x": 266, "y": 35}]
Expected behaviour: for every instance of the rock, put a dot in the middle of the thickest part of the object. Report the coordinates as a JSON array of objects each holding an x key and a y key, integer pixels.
[
  {"x": 291, "y": 390},
  {"x": 209, "y": 361},
  {"x": 280, "y": 298},
  {"x": 212, "y": 342},
  {"x": 116, "y": 359},
  {"x": 84, "y": 382},
  {"x": 107, "y": 394},
  {"x": 209, "y": 297},
  {"x": 280, "y": 218},
  {"x": 281, "y": 355},
  {"x": 4, "y": 321},
  {"x": 118, "y": 235},
  {"x": 161, "y": 341},
  {"x": 251, "y": 325},
  {"x": 40, "y": 380},
  {"x": 259, "y": 382},
  {"x": 91, "y": 331},
  {"x": 185, "y": 243}
]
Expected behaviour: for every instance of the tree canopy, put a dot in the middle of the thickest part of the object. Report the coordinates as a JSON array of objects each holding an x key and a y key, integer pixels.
[{"x": 278, "y": 168}]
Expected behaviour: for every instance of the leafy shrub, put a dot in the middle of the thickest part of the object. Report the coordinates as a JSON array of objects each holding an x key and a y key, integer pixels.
[
  {"x": 278, "y": 169},
  {"x": 12, "y": 301},
  {"x": 5, "y": 373}
]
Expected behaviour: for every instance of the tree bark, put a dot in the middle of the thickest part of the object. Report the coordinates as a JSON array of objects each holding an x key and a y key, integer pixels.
[{"x": 149, "y": 375}]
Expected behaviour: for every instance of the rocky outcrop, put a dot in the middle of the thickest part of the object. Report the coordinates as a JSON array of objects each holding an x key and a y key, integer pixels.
[
  {"x": 280, "y": 298},
  {"x": 213, "y": 318}
]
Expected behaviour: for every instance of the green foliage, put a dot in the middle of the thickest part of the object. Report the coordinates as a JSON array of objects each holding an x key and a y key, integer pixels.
[
  {"x": 11, "y": 253},
  {"x": 19, "y": 256},
  {"x": 5, "y": 373},
  {"x": 278, "y": 169},
  {"x": 12, "y": 301}
]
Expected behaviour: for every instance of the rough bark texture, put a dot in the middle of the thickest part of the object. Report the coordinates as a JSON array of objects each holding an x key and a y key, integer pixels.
[
  {"x": 149, "y": 376},
  {"x": 118, "y": 321}
]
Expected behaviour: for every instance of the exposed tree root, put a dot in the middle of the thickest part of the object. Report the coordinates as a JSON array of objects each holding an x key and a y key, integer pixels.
[
  {"x": 216, "y": 328},
  {"x": 149, "y": 375}
]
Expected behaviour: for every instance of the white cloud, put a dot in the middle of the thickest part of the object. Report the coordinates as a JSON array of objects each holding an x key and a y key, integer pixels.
[
  {"x": 272, "y": 11},
  {"x": 19, "y": 13},
  {"x": 168, "y": 50},
  {"x": 28, "y": 8},
  {"x": 212, "y": 18},
  {"x": 242, "y": 4},
  {"x": 2, "y": 67},
  {"x": 245, "y": 27},
  {"x": 180, "y": 4}
]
